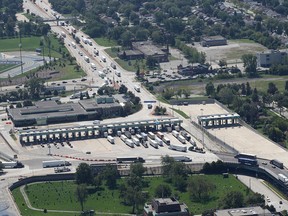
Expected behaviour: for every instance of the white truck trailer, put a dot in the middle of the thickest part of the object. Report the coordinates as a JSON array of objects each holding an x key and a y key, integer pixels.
[
  {"x": 73, "y": 45},
  {"x": 111, "y": 139},
  {"x": 283, "y": 178},
  {"x": 123, "y": 138},
  {"x": 103, "y": 58},
  {"x": 55, "y": 163},
  {"x": 181, "y": 139},
  {"x": 175, "y": 133},
  {"x": 151, "y": 135},
  {"x": 89, "y": 42},
  {"x": 160, "y": 135},
  {"x": 93, "y": 66},
  {"x": 153, "y": 143},
  {"x": 166, "y": 140},
  {"x": 178, "y": 148},
  {"x": 144, "y": 136},
  {"x": 84, "y": 40},
  {"x": 130, "y": 143},
  {"x": 136, "y": 141},
  {"x": 118, "y": 73},
  {"x": 86, "y": 58},
  {"x": 137, "y": 88},
  {"x": 12, "y": 164},
  {"x": 159, "y": 141}
]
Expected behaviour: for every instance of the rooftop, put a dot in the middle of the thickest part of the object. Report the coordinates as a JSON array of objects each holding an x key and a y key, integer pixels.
[
  {"x": 249, "y": 211},
  {"x": 218, "y": 37},
  {"x": 147, "y": 48}
]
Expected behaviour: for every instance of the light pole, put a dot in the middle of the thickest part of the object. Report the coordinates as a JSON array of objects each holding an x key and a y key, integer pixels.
[
  {"x": 20, "y": 49},
  {"x": 202, "y": 127}
]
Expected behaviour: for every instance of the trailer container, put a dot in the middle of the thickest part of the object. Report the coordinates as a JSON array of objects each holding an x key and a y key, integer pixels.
[
  {"x": 175, "y": 133},
  {"x": 159, "y": 141},
  {"x": 123, "y": 138},
  {"x": 111, "y": 139},
  {"x": 182, "y": 158},
  {"x": 186, "y": 135},
  {"x": 160, "y": 135},
  {"x": 151, "y": 135},
  {"x": 166, "y": 140},
  {"x": 277, "y": 164},
  {"x": 139, "y": 137},
  {"x": 130, "y": 143},
  {"x": 178, "y": 148},
  {"x": 181, "y": 139},
  {"x": 130, "y": 159},
  {"x": 119, "y": 133},
  {"x": 144, "y": 136},
  {"x": 136, "y": 141},
  {"x": 12, "y": 164},
  {"x": 127, "y": 134},
  {"x": 153, "y": 143},
  {"x": 55, "y": 163},
  {"x": 283, "y": 178}
]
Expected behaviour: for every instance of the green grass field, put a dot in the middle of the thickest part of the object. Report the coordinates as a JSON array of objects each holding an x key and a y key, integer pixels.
[
  {"x": 102, "y": 41},
  {"x": 60, "y": 196},
  {"x": 111, "y": 52},
  {"x": 5, "y": 67},
  {"x": 180, "y": 112},
  {"x": 32, "y": 43}
]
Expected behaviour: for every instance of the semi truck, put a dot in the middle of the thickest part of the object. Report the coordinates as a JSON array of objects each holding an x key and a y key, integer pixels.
[
  {"x": 159, "y": 141},
  {"x": 93, "y": 66},
  {"x": 277, "y": 164},
  {"x": 166, "y": 140},
  {"x": 130, "y": 159},
  {"x": 160, "y": 135},
  {"x": 12, "y": 164},
  {"x": 139, "y": 137},
  {"x": 137, "y": 88},
  {"x": 144, "y": 136},
  {"x": 178, "y": 148},
  {"x": 86, "y": 58},
  {"x": 182, "y": 158},
  {"x": 283, "y": 178},
  {"x": 111, "y": 139},
  {"x": 84, "y": 40},
  {"x": 151, "y": 135},
  {"x": 89, "y": 42},
  {"x": 127, "y": 134},
  {"x": 175, "y": 133},
  {"x": 186, "y": 135},
  {"x": 181, "y": 139},
  {"x": 123, "y": 138},
  {"x": 55, "y": 163},
  {"x": 130, "y": 143},
  {"x": 153, "y": 143},
  {"x": 136, "y": 141},
  {"x": 118, "y": 73}
]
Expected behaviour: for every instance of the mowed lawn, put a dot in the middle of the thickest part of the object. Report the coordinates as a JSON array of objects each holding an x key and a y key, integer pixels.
[
  {"x": 31, "y": 44},
  {"x": 61, "y": 196}
]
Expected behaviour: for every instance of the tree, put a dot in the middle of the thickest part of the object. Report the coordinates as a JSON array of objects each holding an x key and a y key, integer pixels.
[
  {"x": 18, "y": 105},
  {"x": 199, "y": 188},
  {"x": 97, "y": 181},
  {"x": 35, "y": 86},
  {"x": 137, "y": 169},
  {"x": 233, "y": 199},
  {"x": 286, "y": 86},
  {"x": 210, "y": 89},
  {"x": 150, "y": 62},
  {"x": 110, "y": 175},
  {"x": 123, "y": 89},
  {"x": 84, "y": 174},
  {"x": 250, "y": 64},
  {"x": 81, "y": 194},
  {"x": 163, "y": 190},
  {"x": 222, "y": 63},
  {"x": 272, "y": 89},
  {"x": 226, "y": 95}
]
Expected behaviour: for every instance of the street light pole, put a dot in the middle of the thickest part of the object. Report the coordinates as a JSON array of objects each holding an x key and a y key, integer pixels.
[
  {"x": 202, "y": 127},
  {"x": 20, "y": 49}
]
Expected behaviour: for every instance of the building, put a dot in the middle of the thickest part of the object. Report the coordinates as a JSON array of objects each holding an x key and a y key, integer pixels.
[
  {"x": 193, "y": 70},
  {"x": 50, "y": 112},
  {"x": 213, "y": 41},
  {"x": 166, "y": 207},
  {"x": 150, "y": 50},
  {"x": 248, "y": 211},
  {"x": 130, "y": 55},
  {"x": 53, "y": 88},
  {"x": 270, "y": 57}
]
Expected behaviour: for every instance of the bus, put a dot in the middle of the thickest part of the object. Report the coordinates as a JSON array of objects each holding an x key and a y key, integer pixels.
[
  {"x": 244, "y": 155},
  {"x": 248, "y": 161},
  {"x": 277, "y": 164},
  {"x": 130, "y": 159}
]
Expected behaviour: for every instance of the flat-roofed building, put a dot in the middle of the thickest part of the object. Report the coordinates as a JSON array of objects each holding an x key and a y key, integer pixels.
[
  {"x": 50, "y": 112},
  {"x": 150, "y": 50},
  {"x": 270, "y": 57},
  {"x": 213, "y": 41},
  {"x": 248, "y": 211},
  {"x": 130, "y": 55},
  {"x": 165, "y": 207}
]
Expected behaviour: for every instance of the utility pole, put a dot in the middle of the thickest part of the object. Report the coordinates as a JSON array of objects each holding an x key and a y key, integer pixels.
[{"x": 20, "y": 49}]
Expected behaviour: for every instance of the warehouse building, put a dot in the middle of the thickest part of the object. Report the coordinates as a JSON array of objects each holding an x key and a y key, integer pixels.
[
  {"x": 165, "y": 207},
  {"x": 50, "y": 112},
  {"x": 270, "y": 57},
  {"x": 248, "y": 211},
  {"x": 213, "y": 41}
]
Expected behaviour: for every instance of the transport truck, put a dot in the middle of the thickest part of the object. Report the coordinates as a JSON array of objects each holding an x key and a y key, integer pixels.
[
  {"x": 175, "y": 133},
  {"x": 55, "y": 163},
  {"x": 144, "y": 136},
  {"x": 277, "y": 164},
  {"x": 111, "y": 139},
  {"x": 153, "y": 143},
  {"x": 84, "y": 40},
  {"x": 139, "y": 137},
  {"x": 12, "y": 164},
  {"x": 181, "y": 139},
  {"x": 159, "y": 141},
  {"x": 283, "y": 178},
  {"x": 86, "y": 58},
  {"x": 130, "y": 159},
  {"x": 186, "y": 135},
  {"x": 136, "y": 141},
  {"x": 127, "y": 134},
  {"x": 182, "y": 159},
  {"x": 89, "y": 42},
  {"x": 118, "y": 73},
  {"x": 123, "y": 138},
  {"x": 137, "y": 88},
  {"x": 160, "y": 135},
  {"x": 130, "y": 143},
  {"x": 93, "y": 66},
  {"x": 103, "y": 58},
  {"x": 178, "y": 148},
  {"x": 166, "y": 140},
  {"x": 73, "y": 45},
  {"x": 151, "y": 135},
  {"x": 192, "y": 141}
]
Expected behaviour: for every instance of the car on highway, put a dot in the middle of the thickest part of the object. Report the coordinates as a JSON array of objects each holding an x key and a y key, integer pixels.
[
  {"x": 83, "y": 79},
  {"x": 80, "y": 53},
  {"x": 64, "y": 82},
  {"x": 74, "y": 81}
]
